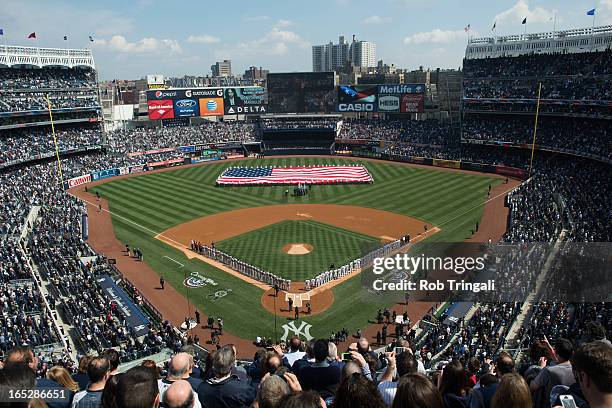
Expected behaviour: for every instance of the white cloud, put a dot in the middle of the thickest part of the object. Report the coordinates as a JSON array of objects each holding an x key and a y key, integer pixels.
[
  {"x": 147, "y": 45},
  {"x": 255, "y": 18},
  {"x": 284, "y": 23},
  {"x": 376, "y": 20},
  {"x": 435, "y": 36},
  {"x": 202, "y": 39},
  {"x": 521, "y": 9},
  {"x": 275, "y": 42},
  {"x": 605, "y": 4}
]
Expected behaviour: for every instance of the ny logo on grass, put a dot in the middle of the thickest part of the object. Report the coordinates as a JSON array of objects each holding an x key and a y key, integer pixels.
[{"x": 303, "y": 330}]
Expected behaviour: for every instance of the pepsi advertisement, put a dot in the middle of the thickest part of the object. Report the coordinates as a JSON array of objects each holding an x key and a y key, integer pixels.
[{"x": 186, "y": 107}]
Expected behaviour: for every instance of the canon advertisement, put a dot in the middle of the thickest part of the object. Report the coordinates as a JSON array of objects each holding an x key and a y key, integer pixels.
[
  {"x": 184, "y": 103},
  {"x": 395, "y": 98}
]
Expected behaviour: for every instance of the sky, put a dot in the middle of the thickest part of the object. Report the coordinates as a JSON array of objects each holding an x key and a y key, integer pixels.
[{"x": 133, "y": 38}]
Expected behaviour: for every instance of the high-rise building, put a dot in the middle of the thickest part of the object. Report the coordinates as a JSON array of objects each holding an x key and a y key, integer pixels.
[
  {"x": 222, "y": 69},
  {"x": 332, "y": 57},
  {"x": 363, "y": 53}
]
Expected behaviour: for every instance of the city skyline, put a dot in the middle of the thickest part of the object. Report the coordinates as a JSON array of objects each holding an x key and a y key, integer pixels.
[{"x": 132, "y": 39}]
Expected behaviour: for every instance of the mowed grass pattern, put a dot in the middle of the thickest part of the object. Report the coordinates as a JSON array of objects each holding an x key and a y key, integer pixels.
[
  {"x": 149, "y": 204},
  {"x": 331, "y": 245}
]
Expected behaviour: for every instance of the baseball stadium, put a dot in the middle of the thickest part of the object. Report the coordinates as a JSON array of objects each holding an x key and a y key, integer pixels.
[{"x": 265, "y": 239}]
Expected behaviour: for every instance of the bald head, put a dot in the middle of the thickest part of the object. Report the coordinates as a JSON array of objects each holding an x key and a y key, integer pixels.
[
  {"x": 179, "y": 366},
  {"x": 179, "y": 395}
]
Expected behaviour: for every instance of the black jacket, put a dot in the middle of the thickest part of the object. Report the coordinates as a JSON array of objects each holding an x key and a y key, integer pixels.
[{"x": 229, "y": 393}]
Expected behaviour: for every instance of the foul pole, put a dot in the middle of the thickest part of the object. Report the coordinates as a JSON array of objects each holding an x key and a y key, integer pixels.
[
  {"x": 535, "y": 129},
  {"x": 59, "y": 163}
]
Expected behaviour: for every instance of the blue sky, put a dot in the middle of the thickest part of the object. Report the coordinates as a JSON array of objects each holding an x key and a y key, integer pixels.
[{"x": 175, "y": 37}]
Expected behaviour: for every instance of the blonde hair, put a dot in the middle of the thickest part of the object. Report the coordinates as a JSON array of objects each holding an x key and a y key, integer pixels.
[{"x": 61, "y": 376}]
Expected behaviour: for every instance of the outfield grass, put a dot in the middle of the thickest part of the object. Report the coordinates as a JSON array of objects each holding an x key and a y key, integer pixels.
[
  {"x": 155, "y": 202},
  {"x": 331, "y": 245}
]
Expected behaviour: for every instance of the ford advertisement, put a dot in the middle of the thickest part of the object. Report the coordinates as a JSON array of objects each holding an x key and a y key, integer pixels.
[{"x": 186, "y": 107}]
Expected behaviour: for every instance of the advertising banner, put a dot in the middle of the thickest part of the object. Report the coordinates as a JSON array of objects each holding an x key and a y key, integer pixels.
[
  {"x": 244, "y": 101},
  {"x": 162, "y": 109},
  {"x": 186, "y": 149},
  {"x": 357, "y": 98},
  {"x": 134, "y": 317},
  {"x": 124, "y": 170},
  {"x": 451, "y": 164},
  {"x": 412, "y": 103},
  {"x": 166, "y": 162},
  {"x": 211, "y": 106},
  {"x": 77, "y": 181},
  {"x": 137, "y": 169},
  {"x": 99, "y": 175},
  {"x": 154, "y": 151},
  {"x": 510, "y": 171},
  {"x": 186, "y": 107},
  {"x": 389, "y": 103},
  {"x": 401, "y": 89}
]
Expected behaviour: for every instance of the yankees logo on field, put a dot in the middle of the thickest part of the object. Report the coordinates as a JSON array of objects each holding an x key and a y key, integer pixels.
[
  {"x": 302, "y": 331},
  {"x": 218, "y": 294}
]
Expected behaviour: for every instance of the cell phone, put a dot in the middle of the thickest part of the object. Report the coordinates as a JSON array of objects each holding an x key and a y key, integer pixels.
[
  {"x": 346, "y": 357},
  {"x": 399, "y": 350},
  {"x": 270, "y": 348},
  {"x": 568, "y": 401}
]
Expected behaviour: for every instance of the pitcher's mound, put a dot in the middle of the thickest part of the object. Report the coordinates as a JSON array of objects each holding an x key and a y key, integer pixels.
[{"x": 297, "y": 249}]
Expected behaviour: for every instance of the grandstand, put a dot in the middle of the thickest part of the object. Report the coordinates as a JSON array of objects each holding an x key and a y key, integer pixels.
[{"x": 63, "y": 299}]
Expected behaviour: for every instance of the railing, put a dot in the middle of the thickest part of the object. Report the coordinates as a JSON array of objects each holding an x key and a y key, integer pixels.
[{"x": 16, "y": 55}]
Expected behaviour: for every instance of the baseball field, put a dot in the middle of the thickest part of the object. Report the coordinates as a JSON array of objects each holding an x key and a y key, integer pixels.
[{"x": 262, "y": 225}]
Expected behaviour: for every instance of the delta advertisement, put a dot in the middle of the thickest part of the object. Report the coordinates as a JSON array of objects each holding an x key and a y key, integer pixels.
[
  {"x": 244, "y": 101},
  {"x": 395, "y": 98},
  {"x": 185, "y": 103}
]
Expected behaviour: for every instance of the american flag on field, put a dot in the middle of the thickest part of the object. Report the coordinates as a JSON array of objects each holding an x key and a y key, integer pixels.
[{"x": 294, "y": 175}]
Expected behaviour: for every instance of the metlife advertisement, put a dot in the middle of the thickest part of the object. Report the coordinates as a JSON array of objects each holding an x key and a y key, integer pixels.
[{"x": 393, "y": 98}]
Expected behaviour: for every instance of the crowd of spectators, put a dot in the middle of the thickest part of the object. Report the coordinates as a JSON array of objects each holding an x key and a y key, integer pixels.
[
  {"x": 27, "y": 89},
  {"x": 313, "y": 375},
  {"x": 140, "y": 140},
  {"x": 584, "y": 136},
  {"x": 277, "y": 123},
  {"x": 426, "y": 132},
  {"x": 541, "y": 65},
  {"x": 570, "y": 194},
  {"x": 23, "y": 144}
]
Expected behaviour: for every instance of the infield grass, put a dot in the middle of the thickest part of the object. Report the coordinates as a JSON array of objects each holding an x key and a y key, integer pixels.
[
  {"x": 331, "y": 245},
  {"x": 154, "y": 202}
]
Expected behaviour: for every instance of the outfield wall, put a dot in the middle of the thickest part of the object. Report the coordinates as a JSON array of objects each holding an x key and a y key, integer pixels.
[{"x": 452, "y": 164}]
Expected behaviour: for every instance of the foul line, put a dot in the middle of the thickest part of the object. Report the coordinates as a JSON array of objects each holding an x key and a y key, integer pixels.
[
  {"x": 174, "y": 260},
  {"x": 329, "y": 285}
]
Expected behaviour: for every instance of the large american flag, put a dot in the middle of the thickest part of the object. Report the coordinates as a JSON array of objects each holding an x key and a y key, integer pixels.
[{"x": 294, "y": 175}]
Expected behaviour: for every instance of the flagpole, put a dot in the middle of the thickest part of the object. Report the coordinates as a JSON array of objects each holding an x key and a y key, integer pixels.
[
  {"x": 59, "y": 163},
  {"x": 535, "y": 129}
]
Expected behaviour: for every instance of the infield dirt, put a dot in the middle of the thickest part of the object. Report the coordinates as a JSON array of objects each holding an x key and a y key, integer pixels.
[{"x": 102, "y": 239}]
